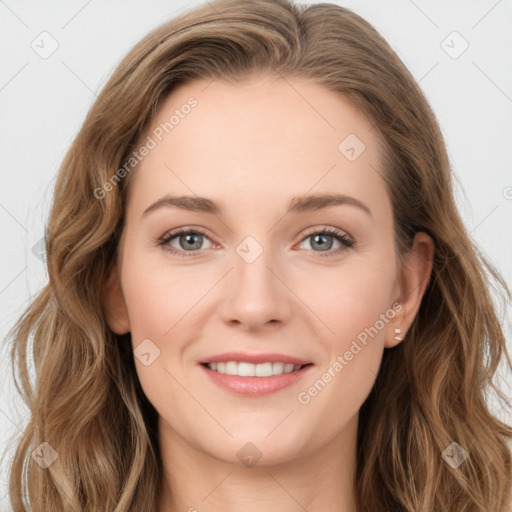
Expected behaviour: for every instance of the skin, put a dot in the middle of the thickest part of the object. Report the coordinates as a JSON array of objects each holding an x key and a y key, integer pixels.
[{"x": 252, "y": 146}]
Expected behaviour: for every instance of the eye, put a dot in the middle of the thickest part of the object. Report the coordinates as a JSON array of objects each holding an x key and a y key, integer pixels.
[
  {"x": 187, "y": 241},
  {"x": 324, "y": 239}
]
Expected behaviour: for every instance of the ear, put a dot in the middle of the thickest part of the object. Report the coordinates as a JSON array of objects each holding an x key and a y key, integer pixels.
[
  {"x": 413, "y": 279},
  {"x": 114, "y": 306}
]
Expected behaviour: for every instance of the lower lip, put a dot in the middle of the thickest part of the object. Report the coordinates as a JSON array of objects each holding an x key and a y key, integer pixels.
[{"x": 255, "y": 386}]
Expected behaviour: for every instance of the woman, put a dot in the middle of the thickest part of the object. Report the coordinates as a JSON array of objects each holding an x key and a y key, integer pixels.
[{"x": 260, "y": 289}]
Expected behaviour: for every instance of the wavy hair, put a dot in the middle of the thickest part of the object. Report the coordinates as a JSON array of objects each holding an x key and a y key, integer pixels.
[{"x": 432, "y": 389}]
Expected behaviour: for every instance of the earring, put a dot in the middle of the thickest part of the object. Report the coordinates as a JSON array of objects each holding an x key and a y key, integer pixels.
[{"x": 398, "y": 331}]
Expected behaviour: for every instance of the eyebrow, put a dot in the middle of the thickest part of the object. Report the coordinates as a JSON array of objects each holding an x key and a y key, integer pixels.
[{"x": 299, "y": 204}]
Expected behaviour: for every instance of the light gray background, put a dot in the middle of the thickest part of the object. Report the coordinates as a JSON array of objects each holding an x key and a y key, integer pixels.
[{"x": 43, "y": 102}]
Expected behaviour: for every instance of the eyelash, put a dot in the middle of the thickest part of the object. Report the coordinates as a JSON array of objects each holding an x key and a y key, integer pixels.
[{"x": 346, "y": 241}]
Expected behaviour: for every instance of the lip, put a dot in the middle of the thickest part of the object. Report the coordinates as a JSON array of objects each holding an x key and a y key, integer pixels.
[
  {"x": 255, "y": 386},
  {"x": 254, "y": 358}
]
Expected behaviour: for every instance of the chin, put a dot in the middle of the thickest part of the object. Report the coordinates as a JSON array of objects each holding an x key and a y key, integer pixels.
[{"x": 258, "y": 447}]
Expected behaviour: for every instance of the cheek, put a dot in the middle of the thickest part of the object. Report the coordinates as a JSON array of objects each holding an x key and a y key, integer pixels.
[
  {"x": 343, "y": 381},
  {"x": 161, "y": 303},
  {"x": 164, "y": 306},
  {"x": 355, "y": 307},
  {"x": 349, "y": 299},
  {"x": 160, "y": 297}
]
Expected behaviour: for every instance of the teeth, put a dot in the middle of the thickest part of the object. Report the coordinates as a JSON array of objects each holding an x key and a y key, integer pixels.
[{"x": 244, "y": 369}]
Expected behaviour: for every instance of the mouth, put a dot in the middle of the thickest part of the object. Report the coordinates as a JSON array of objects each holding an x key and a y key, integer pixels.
[
  {"x": 254, "y": 379},
  {"x": 246, "y": 369}
]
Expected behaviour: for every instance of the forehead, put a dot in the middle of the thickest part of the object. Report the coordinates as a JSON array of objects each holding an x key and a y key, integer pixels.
[{"x": 264, "y": 138}]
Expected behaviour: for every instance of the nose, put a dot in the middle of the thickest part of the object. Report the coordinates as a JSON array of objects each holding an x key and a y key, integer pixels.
[{"x": 257, "y": 296}]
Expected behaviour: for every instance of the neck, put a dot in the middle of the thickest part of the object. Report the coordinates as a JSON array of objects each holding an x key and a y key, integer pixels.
[{"x": 194, "y": 481}]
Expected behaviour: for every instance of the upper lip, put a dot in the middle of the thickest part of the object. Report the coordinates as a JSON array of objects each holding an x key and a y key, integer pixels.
[{"x": 254, "y": 358}]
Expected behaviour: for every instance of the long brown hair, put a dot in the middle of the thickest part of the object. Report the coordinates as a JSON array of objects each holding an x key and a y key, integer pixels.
[{"x": 432, "y": 389}]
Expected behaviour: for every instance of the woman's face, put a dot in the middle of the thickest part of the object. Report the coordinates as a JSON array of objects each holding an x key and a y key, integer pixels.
[{"x": 255, "y": 278}]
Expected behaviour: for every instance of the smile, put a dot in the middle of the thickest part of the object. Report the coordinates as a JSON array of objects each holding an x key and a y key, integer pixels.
[
  {"x": 254, "y": 380},
  {"x": 245, "y": 369}
]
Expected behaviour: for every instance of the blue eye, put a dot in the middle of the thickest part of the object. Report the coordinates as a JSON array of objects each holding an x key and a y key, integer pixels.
[
  {"x": 324, "y": 240},
  {"x": 190, "y": 241}
]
